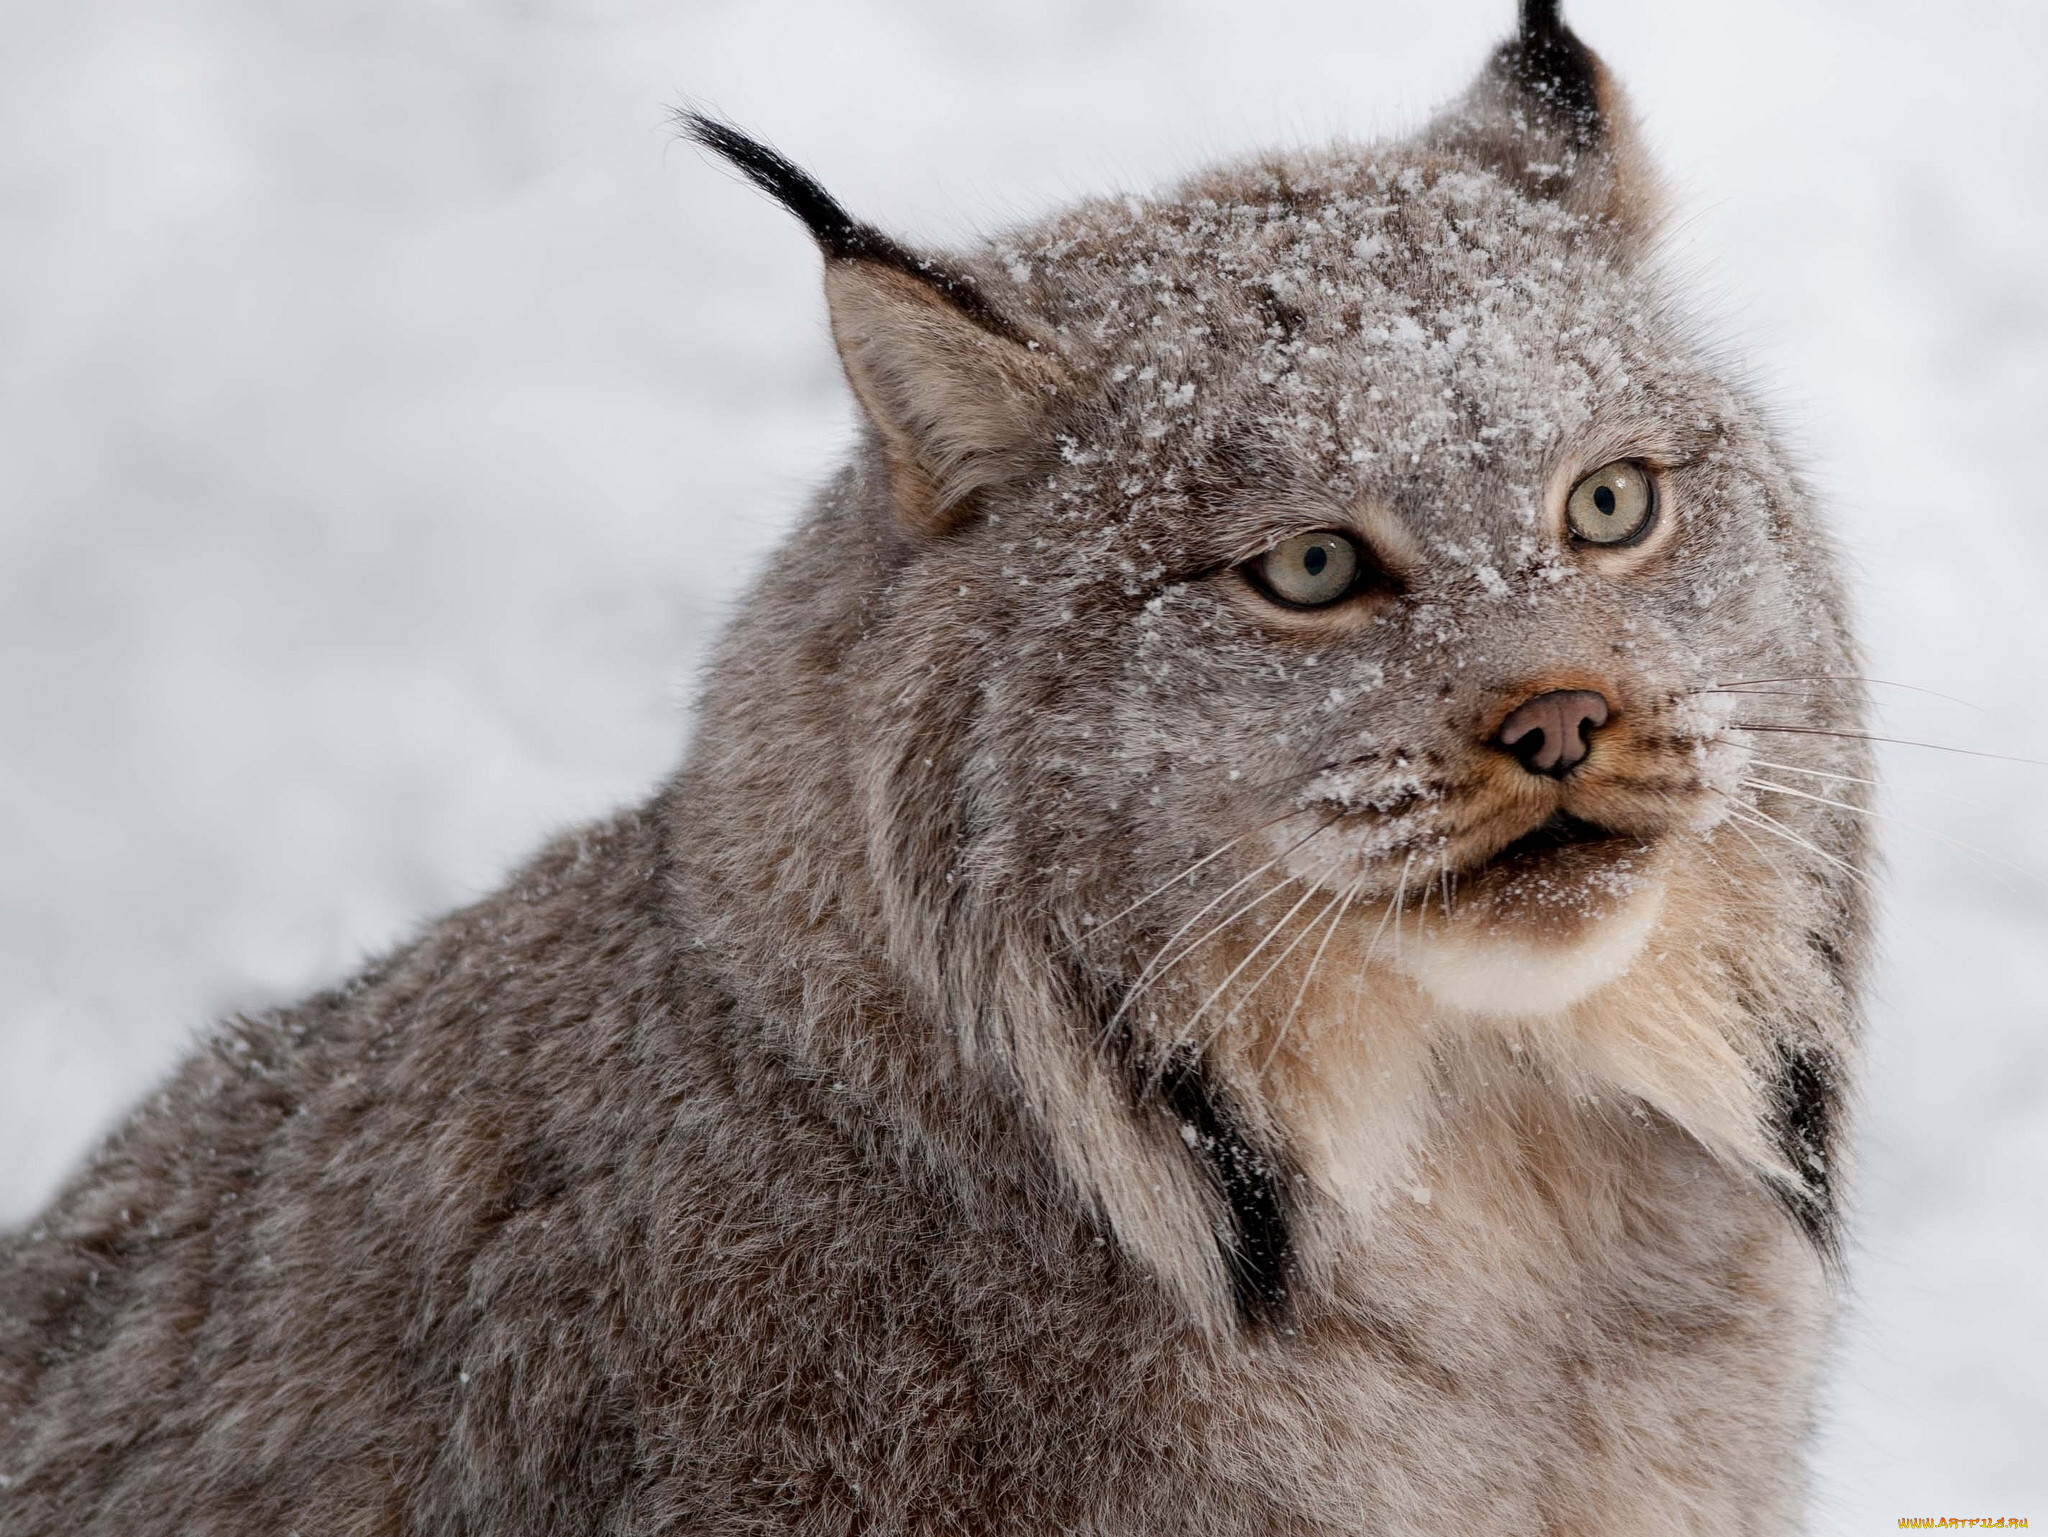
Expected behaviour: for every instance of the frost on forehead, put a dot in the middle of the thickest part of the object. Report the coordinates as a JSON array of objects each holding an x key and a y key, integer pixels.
[{"x": 1362, "y": 314}]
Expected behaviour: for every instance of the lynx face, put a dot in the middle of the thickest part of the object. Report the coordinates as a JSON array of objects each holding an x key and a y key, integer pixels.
[{"x": 1431, "y": 404}]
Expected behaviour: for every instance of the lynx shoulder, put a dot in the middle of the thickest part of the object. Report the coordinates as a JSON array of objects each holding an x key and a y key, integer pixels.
[{"x": 1224, "y": 958}]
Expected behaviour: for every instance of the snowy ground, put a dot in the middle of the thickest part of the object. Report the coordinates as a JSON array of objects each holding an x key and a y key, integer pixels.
[{"x": 389, "y": 412}]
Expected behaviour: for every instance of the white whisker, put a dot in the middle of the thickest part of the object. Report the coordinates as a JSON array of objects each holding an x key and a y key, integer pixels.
[
  {"x": 1883, "y": 816},
  {"x": 1895, "y": 741},
  {"x": 1401, "y": 898},
  {"x": 1373, "y": 949},
  {"x": 1168, "y": 885},
  {"x": 1145, "y": 976},
  {"x": 1774, "y": 825},
  {"x": 1761, "y": 852},
  {"x": 1858, "y": 779},
  {"x": 1742, "y": 816},
  {"x": 1251, "y": 955},
  {"x": 1161, "y": 963},
  {"x": 1315, "y": 960},
  {"x": 1792, "y": 768},
  {"x": 1843, "y": 677}
]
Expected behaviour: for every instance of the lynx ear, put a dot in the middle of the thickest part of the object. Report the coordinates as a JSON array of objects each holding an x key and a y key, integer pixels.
[
  {"x": 957, "y": 392},
  {"x": 1546, "y": 114},
  {"x": 960, "y": 404}
]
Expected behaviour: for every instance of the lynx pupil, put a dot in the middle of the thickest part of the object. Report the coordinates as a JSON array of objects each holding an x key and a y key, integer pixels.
[
  {"x": 1603, "y": 498},
  {"x": 1317, "y": 557}
]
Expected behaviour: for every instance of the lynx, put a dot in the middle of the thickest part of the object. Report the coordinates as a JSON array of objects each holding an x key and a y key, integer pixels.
[{"x": 1242, "y": 948}]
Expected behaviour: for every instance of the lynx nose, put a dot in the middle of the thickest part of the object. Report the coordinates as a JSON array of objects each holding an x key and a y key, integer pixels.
[{"x": 1552, "y": 733}]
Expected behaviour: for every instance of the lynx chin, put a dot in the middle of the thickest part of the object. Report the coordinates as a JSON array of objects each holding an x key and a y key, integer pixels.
[{"x": 1232, "y": 953}]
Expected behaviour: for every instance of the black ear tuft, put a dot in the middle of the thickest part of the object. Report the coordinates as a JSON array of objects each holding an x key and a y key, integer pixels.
[
  {"x": 957, "y": 393},
  {"x": 1550, "y": 64},
  {"x": 789, "y": 184},
  {"x": 839, "y": 235}
]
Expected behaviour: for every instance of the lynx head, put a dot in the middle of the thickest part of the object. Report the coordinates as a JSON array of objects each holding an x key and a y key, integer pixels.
[{"x": 1299, "y": 646}]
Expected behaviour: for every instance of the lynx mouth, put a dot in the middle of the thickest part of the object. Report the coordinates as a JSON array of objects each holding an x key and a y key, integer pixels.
[
  {"x": 1561, "y": 831},
  {"x": 1564, "y": 865}
]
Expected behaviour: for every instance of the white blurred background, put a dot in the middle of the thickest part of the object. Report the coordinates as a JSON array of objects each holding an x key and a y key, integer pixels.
[{"x": 390, "y": 412}]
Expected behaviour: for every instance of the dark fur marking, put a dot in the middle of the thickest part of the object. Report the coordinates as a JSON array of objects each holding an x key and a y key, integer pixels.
[
  {"x": 1806, "y": 1101},
  {"x": 1832, "y": 958},
  {"x": 1547, "y": 60},
  {"x": 1252, "y": 1183},
  {"x": 841, "y": 236}
]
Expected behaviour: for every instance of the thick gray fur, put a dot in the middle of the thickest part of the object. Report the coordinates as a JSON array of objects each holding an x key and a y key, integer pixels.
[{"x": 816, "y": 1148}]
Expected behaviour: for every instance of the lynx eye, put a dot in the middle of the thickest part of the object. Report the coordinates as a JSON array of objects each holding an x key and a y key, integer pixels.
[
  {"x": 1614, "y": 504},
  {"x": 1309, "y": 570}
]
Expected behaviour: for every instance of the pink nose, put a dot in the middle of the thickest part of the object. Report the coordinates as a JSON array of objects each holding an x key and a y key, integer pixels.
[{"x": 1552, "y": 733}]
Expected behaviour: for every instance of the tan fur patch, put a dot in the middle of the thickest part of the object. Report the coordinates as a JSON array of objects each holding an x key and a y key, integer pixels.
[{"x": 1358, "y": 1055}]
